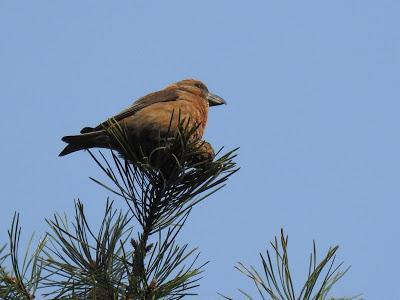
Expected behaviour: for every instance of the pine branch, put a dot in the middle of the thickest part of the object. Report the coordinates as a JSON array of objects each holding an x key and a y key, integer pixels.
[
  {"x": 160, "y": 189},
  {"x": 170, "y": 277},
  {"x": 23, "y": 279},
  {"x": 164, "y": 185},
  {"x": 277, "y": 283},
  {"x": 84, "y": 264}
]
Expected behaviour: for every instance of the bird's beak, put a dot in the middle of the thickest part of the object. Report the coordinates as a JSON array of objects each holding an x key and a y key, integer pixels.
[{"x": 214, "y": 100}]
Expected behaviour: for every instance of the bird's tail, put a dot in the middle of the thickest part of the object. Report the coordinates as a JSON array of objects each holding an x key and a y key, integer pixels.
[{"x": 84, "y": 141}]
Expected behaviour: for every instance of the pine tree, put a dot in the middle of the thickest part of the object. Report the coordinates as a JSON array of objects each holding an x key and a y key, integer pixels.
[{"x": 135, "y": 254}]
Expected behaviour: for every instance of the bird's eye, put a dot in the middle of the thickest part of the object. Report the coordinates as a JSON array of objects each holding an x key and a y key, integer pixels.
[{"x": 200, "y": 86}]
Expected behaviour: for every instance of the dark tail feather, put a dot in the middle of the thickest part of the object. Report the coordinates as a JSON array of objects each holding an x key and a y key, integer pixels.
[
  {"x": 84, "y": 141},
  {"x": 71, "y": 148}
]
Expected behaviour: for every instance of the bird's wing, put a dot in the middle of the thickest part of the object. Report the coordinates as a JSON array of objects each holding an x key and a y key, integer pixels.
[{"x": 160, "y": 96}]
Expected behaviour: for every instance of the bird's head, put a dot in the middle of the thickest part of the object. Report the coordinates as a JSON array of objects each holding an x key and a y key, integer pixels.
[{"x": 198, "y": 88}]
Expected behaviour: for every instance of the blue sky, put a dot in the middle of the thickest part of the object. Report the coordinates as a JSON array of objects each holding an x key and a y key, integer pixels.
[{"x": 313, "y": 102}]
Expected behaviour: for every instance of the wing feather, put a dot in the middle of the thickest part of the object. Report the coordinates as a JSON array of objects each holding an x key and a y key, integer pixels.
[{"x": 152, "y": 98}]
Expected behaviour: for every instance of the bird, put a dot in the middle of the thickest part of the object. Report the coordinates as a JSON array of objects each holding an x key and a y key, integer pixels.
[{"x": 153, "y": 117}]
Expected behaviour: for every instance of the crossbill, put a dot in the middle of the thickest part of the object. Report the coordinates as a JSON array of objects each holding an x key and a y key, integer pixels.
[{"x": 153, "y": 117}]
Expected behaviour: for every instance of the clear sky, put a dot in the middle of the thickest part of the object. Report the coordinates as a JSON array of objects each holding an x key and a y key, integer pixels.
[{"x": 313, "y": 92}]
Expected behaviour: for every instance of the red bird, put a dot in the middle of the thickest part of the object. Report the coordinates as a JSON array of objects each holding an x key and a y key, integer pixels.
[{"x": 149, "y": 118}]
